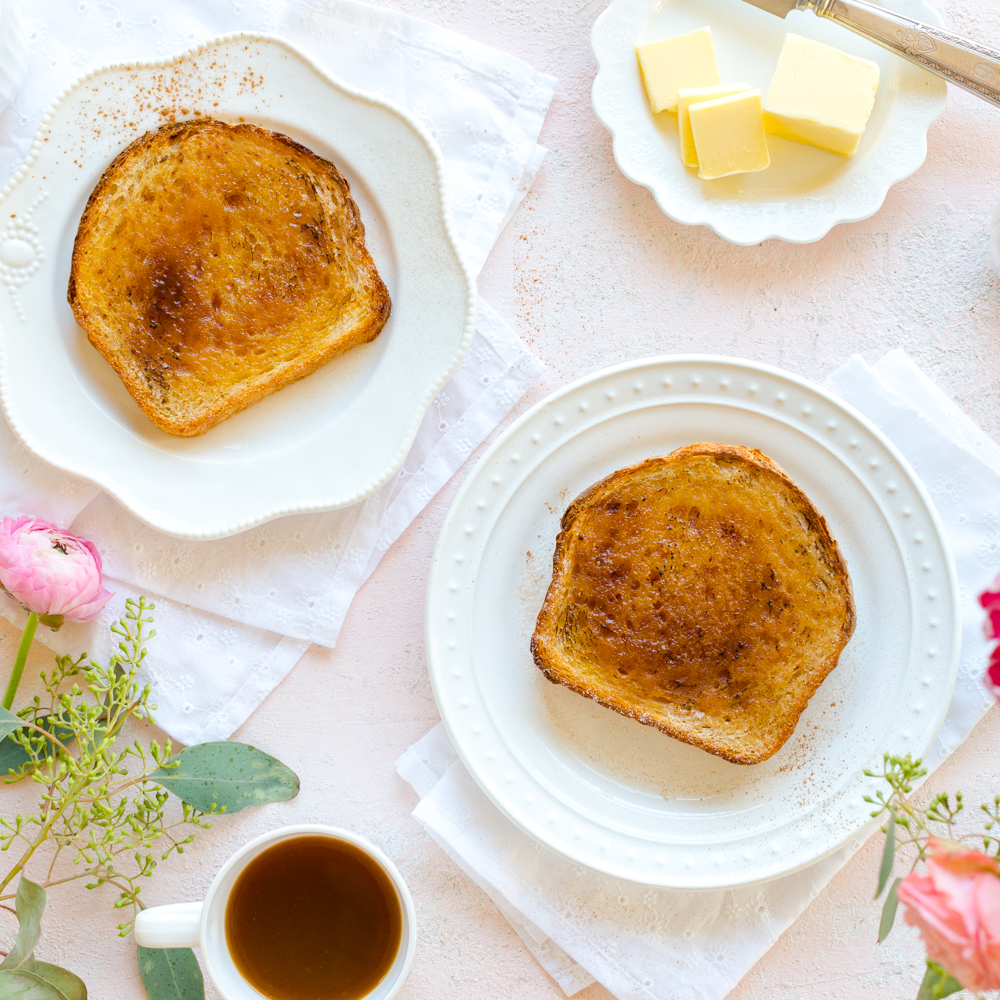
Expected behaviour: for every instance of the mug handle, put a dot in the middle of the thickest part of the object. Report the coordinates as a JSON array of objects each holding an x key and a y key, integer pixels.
[{"x": 177, "y": 925}]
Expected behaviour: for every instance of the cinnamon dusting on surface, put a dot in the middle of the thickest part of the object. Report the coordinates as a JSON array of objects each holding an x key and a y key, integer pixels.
[{"x": 143, "y": 99}]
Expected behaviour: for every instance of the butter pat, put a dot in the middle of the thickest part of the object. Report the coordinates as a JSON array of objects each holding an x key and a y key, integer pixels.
[
  {"x": 671, "y": 63},
  {"x": 729, "y": 135},
  {"x": 687, "y": 96},
  {"x": 820, "y": 95}
]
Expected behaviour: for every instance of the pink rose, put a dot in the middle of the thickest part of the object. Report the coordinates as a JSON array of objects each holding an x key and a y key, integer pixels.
[
  {"x": 956, "y": 907},
  {"x": 49, "y": 571}
]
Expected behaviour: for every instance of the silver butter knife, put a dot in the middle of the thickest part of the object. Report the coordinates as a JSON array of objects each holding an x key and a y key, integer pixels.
[{"x": 959, "y": 60}]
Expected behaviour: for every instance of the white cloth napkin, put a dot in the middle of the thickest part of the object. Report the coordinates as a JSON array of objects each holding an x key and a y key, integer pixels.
[
  {"x": 234, "y": 615},
  {"x": 667, "y": 945}
]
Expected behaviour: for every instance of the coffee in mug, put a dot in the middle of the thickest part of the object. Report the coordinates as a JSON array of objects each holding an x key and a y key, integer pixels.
[{"x": 313, "y": 918}]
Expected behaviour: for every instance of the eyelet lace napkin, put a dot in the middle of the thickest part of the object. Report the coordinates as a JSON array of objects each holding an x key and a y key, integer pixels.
[
  {"x": 234, "y": 615},
  {"x": 665, "y": 945}
]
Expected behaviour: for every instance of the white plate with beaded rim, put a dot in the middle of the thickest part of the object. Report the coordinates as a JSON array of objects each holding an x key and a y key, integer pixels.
[
  {"x": 806, "y": 191},
  {"x": 623, "y": 798},
  {"x": 326, "y": 441}
]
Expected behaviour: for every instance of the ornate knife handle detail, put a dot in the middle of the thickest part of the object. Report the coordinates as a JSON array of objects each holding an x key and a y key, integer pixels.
[
  {"x": 986, "y": 73},
  {"x": 916, "y": 41},
  {"x": 960, "y": 60}
]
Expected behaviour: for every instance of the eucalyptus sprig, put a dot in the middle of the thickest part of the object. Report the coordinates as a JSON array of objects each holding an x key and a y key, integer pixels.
[
  {"x": 85, "y": 807},
  {"x": 102, "y": 810}
]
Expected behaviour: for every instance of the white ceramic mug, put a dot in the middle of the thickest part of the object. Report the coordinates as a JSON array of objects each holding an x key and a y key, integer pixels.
[{"x": 203, "y": 925}]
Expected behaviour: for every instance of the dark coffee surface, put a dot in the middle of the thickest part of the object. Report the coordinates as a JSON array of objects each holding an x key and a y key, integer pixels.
[{"x": 313, "y": 918}]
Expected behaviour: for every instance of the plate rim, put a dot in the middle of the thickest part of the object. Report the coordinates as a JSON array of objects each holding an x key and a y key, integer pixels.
[
  {"x": 859, "y": 833},
  {"x": 219, "y": 528},
  {"x": 703, "y": 215}
]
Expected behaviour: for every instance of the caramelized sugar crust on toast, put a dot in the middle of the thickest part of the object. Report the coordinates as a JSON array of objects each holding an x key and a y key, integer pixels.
[
  {"x": 217, "y": 263},
  {"x": 700, "y": 593}
]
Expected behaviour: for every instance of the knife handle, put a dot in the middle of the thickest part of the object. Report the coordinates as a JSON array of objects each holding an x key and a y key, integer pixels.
[{"x": 960, "y": 60}]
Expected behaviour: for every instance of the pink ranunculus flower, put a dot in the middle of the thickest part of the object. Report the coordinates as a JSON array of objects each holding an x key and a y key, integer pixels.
[
  {"x": 990, "y": 601},
  {"x": 956, "y": 907},
  {"x": 992, "y": 676},
  {"x": 50, "y": 572}
]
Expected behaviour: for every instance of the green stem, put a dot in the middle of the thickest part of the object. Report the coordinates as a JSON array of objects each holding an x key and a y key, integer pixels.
[
  {"x": 22, "y": 656},
  {"x": 70, "y": 796}
]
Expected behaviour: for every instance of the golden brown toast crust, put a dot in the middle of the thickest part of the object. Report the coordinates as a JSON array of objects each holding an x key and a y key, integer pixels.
[
  {"x": 217, "y": 263},
  {"x": 701, "y": 593}
]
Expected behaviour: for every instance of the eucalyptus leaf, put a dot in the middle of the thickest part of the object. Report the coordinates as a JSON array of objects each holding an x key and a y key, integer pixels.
[
  {"x": 937, "y": 983},
  {"x": 30, "y": 905},
  {"x": 888, "y": 856},
  {"x": 889, "y": 911},
  {"x": 8, "y": 722},
  {"x": 13, "y": 756},
  {"x": 70, "y": 984},
  {"x": 171, "y": 974},
  {"x": 18, "y": 984},
  {"x": 226, "y": 777}
]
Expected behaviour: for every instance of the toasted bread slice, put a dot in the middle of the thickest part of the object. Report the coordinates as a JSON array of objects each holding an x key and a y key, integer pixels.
[
  {"x": 215, "y": 264},
  {"x": 700, "y": 593}
]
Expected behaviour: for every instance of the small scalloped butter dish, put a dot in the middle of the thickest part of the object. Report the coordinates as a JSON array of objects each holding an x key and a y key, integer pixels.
[{"x": 806, "y": 191}]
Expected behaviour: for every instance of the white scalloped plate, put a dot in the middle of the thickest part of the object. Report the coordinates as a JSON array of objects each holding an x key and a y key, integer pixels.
[
  {"x": 806, "y": 191},
  {"x": 324, "y": 442},
  {"x": 620, "y": 797}
]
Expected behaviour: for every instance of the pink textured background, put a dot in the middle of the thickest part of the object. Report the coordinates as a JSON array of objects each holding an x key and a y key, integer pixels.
[{"x": 590, "y": 272}]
